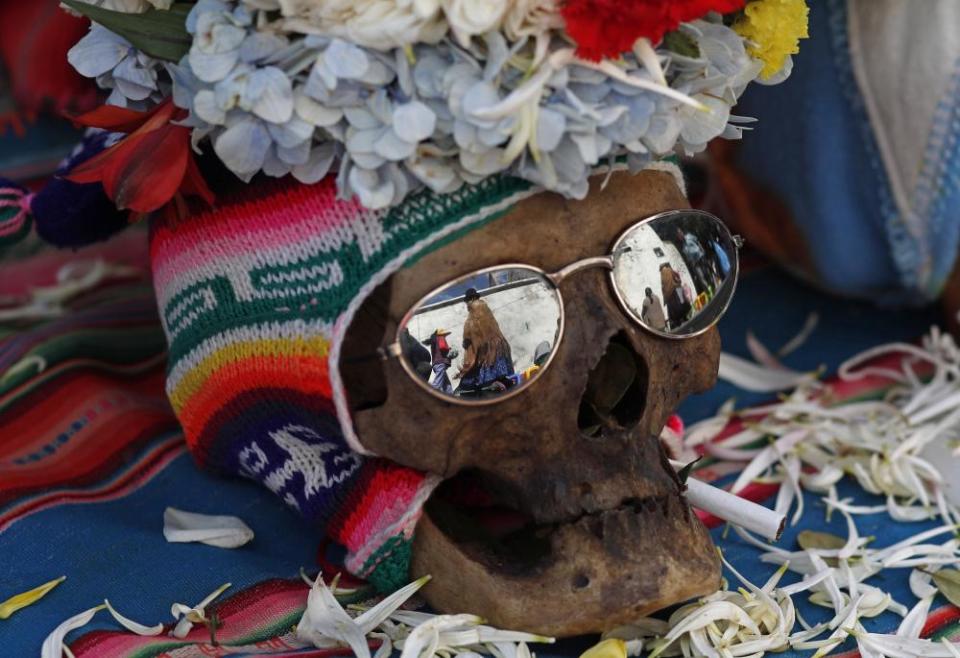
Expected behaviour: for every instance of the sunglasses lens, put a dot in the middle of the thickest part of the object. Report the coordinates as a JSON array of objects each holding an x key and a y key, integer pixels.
[
  {"x": 676, "y": 273},
  {"x": 483, "y": 336}
]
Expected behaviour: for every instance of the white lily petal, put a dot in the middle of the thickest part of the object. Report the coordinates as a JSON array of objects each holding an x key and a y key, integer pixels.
[
  {"x": 756, "y": 378},
  {"x": 427, "y": 634},
  {"x": 131, "y": 625},
  {"x": 186, "y": 616},
  {"x": 651, "y": 61},
  {"x": 53, "y": 645},
  {"x": 769, "y": 456},
  {"x": 375, "y": 616},
  {"x": 220, "y": 531},
  {"x": 912, "y": 625},
  {"x": 325, "y": 619}
]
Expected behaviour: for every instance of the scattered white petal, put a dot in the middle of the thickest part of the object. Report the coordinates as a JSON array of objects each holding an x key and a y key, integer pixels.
[
  {"x": 325, "y": 620},
  {"x": 131, "y": 625},
  {"x": 54, "y": 646},
  {"x": 219, "y": 531},
  {"x": 186, "y": 616},
  {"x": 756, "y": 378}
]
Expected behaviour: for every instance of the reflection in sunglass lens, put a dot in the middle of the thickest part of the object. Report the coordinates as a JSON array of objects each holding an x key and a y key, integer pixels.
[
  {"x": 483, "y": 336},
  {"x": 676, "y": 273}
]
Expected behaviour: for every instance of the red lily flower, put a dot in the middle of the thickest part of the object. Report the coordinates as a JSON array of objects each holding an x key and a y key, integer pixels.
[
  {"x": 608, "y": 28},
  {"x": 148, "y": 168}
]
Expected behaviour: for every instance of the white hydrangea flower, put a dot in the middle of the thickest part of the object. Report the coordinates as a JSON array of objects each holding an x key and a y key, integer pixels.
[
  {"x": 216, "y": 46},
  {"x": 116, "y": 65},
  {"x": 379, "y": 91},
  {"x": 378, "y": 24},
  {"x": 98, "y": 52},
  {"x": 469, "y": 18},
  {"x": 529, "y": 18}
]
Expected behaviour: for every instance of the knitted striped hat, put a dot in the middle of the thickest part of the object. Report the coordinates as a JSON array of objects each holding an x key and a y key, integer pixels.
[{"x": 255, "y": 297}]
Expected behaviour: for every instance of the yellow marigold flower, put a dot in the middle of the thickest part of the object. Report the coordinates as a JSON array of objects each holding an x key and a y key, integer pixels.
[{"x": 774, "y": 28}]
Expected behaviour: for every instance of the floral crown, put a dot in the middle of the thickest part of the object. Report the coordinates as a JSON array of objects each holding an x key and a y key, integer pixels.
[{"x": 397, "y": 95}]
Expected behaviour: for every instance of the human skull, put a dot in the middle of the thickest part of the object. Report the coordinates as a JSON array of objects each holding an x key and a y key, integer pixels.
[{"x": 594, "y": 531}]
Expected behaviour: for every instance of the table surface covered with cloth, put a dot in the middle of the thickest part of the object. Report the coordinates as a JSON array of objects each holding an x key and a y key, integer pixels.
[{"x": 90, "y": 456}]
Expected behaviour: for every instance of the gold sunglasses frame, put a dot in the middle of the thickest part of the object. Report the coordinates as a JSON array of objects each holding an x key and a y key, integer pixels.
[{"x": 607, "y": 262}]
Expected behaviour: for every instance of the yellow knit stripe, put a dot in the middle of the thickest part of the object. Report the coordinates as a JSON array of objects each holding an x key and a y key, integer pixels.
[{"x": 314, "y": 346}]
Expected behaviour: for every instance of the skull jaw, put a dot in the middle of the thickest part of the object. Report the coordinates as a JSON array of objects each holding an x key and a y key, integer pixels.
[{"x": 604, "y": 570}]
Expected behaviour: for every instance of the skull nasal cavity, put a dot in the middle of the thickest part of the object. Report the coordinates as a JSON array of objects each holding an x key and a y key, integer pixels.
[{"x": 616, "y": 391}]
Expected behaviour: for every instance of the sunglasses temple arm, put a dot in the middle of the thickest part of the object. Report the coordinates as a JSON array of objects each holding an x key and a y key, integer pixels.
[{"x": 382, "y": 354}]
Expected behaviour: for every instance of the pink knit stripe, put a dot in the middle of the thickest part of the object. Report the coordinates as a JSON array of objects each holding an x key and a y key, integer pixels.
[
  {"x": 250, "y": 225},
  {"x": 382, "y": 507},
  {"x": 212, "y": 255}
]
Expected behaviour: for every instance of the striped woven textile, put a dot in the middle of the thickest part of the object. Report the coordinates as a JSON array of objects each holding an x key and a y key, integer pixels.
[{"x": 78, "y": 394}]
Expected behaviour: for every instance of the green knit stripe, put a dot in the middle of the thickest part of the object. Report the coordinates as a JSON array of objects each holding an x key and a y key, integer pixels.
[
  {"x": 388, "y": 569},
  {"x": 322, "y": 284}
]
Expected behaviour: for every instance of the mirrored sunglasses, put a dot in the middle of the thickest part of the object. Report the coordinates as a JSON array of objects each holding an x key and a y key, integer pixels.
[{"x": 489, "y": 334}]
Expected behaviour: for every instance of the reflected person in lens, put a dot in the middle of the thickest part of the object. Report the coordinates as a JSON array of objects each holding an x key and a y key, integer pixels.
[
  {"x": 415, "y": 354},
  {"x": 694, "y": 256},
  {"x": 652, "y": 311},
  {"x": 671, "y": 285},
  {"x": 487, "y": 362},
  {"x": 441, "y": 356}
]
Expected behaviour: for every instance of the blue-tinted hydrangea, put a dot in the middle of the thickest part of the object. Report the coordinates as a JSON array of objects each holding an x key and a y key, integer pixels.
[
  {"x": 391, "y": 120},
  {"x": 131, "y": 76}
]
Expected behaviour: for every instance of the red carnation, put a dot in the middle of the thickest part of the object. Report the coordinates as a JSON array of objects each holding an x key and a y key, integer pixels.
[{"x": 607, "y": 28}]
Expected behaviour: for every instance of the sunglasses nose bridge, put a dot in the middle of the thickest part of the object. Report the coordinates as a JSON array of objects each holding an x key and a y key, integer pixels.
[{"x": 559, "y": 276}]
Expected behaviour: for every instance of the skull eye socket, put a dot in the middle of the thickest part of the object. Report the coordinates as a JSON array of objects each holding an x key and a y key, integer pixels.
[
  {"x": 484, "y": 336},
  {"x": 616, "y": 392}
]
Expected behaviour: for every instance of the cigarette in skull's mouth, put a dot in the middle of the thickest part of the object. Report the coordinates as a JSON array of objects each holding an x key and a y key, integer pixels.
[{"x": 732, "y": 508}]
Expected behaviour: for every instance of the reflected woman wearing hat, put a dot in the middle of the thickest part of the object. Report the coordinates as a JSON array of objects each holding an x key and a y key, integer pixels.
[
  {"x": 441, "y": 356},
  {"x": 486, "y": 353}
]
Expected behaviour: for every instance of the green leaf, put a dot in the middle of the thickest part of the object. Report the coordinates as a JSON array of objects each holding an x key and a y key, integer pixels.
[
  {"x": 948, "y": 582},
  {"x": 681, "y": 44},
  {"x": 684, "y": 472},
  {"x": 159, "y": 33},
  {"x": 812, "y": 540}
]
